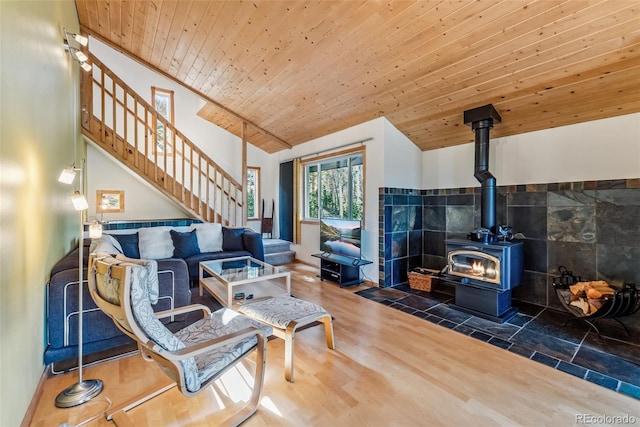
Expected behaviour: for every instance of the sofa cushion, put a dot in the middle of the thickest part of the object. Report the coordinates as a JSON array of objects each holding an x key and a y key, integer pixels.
[
  {"x": 68, "y": 262},
  {"x": 209, "y": 236},
  {"x": 155, "y": 242},
  {"x": 129, "y": 244},
  {"x": 184, "y": 244},
  {"x": 105, "y": 244},
  {"x": 252, "y": 242},
  {"x": 232, "y": 239}
]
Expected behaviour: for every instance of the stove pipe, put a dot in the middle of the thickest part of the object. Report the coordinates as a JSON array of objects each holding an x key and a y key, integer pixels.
[{"x": 481, "y": 120}]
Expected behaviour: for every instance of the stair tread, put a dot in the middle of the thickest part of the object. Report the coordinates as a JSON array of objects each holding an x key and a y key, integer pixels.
[
  {"x": 275, "y": 246},
  {"x": 268, "y": 242}
]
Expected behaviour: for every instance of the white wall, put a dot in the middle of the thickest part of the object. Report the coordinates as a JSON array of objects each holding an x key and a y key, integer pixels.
[
  {"x": 223, "y": 147},
  {"x": 39, "y": 109},
  {"x": 402, "y": 160},
  {"x": 597, "y": 150},
  {"x": 375, "y": 163},
  {"x": 141, "y": 200}
]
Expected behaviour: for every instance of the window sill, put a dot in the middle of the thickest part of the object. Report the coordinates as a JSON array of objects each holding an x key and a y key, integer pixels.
[{"x": 310, "y": 221}]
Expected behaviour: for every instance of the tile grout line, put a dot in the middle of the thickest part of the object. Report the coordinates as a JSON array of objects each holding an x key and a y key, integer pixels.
[
  {"x": 511, "y": 344},
  {"x": 579, "y": 346}
]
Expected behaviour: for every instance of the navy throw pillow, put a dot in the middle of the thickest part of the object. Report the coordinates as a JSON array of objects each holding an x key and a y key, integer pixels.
[
  {"x": 129, "y": 243},
  {"x": 232, "y": 239},
  {"x": 184, "y": 244}
]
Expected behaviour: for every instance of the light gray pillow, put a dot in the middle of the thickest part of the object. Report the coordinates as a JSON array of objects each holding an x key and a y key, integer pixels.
[
  {"x": 209, "y": 236},
  {"x": 155, "y": 243}
]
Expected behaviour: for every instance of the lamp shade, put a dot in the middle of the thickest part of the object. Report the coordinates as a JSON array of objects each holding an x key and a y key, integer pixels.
[
  {"x": 67, "y": 175},
  {"x": 80, "y": 55},
  {"x": 81, "y": 39},
  {"x": 79, "y": 201},
  {"x": 95, "y": 230},
  {"x": 85, "y": 66}
]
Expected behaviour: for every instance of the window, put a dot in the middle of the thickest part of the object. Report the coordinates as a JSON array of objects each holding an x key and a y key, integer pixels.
[
  {"x": 163, "y": 104},
  {"x": 334, "y": 187},
  {"x": 253, "y": 192}
]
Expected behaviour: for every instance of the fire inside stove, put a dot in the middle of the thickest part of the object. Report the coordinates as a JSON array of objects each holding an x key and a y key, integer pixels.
[{"x": 474, "y": 265}]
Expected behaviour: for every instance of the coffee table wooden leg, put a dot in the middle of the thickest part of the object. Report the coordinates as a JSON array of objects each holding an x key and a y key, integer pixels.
[{"x": 200, "y": 277}]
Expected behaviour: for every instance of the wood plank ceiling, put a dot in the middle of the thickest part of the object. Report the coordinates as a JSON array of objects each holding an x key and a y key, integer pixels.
[{"x": 298, "y": 70}]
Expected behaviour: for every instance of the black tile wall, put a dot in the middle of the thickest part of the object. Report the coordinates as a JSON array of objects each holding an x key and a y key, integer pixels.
[
  {"x": 591, "y": 227},
  {"x": 401, "y": 234},
  {"x": 434, "y": 243},
  {"x": 531, "y": 221},
  {"x": 535, "y": 255},
  {"x": 581, "y": 257},
  {"x": 130, "y": 225},
  {"x": 435, "y": 217}
]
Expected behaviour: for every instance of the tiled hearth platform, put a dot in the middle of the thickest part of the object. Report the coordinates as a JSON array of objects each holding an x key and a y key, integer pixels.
[{"x": 611, "y": 360}]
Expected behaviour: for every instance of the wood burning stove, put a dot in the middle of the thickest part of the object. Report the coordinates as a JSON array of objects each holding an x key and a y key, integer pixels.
[
  {"x": 495, "y": 266},
  {"x": 486, "y": 267},
  {"x": 486, "y": 272}
]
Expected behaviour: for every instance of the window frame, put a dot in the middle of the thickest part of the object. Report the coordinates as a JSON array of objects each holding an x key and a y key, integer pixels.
[
  {"x": 159, "y": 92},
  {"x": 256, "y": 200},
  {"x": 318, "y": 161}
]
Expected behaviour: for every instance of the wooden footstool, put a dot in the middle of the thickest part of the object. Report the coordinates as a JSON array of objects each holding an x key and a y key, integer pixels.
[{"x": 285, "y": 315}]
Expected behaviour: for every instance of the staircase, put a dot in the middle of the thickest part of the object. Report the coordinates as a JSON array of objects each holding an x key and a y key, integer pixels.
[
  {"x": 278, "y": 252},
  {"x": 128, "y": 128}
]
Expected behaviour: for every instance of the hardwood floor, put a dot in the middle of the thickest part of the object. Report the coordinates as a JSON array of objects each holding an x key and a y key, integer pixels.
[{"x": 389, "y": 369}]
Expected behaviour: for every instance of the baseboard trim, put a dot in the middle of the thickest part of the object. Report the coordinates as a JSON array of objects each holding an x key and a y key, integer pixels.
[{"x": 31, "y": 410}]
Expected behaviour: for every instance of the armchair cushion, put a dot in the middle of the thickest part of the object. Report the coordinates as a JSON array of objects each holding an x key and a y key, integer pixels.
[
  {"x": 184, "y": 244},
  {"x": 152, "y": 283},
  {"x": 220, "y": 323},
  {"x": 106, "y": 244},
  {"x": 153, "y": 327}
]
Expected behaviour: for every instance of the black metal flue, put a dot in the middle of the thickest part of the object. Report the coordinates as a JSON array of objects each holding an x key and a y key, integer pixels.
[{"x": 481, "y": 120}]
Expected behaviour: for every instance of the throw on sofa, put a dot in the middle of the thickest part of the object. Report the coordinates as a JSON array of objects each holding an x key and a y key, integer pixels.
[{"x": 178, "y": 251}]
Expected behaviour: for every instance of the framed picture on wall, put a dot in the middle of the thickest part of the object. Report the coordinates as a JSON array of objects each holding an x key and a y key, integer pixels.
[{"x": 109, "y": 201}]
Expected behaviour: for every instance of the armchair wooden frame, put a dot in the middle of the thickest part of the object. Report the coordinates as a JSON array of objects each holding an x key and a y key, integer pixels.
[{"x": 123, "y": 317}]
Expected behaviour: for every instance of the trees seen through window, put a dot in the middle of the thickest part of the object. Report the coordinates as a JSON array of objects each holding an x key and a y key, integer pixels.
[{"x": 334, "y": 188}]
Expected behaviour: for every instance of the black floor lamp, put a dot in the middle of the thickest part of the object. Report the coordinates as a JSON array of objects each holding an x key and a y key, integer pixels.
[{"x": 83, "y": 390}]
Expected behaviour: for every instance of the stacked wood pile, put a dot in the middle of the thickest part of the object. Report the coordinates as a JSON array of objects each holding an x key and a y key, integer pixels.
[{"x": 589, "y": 296}]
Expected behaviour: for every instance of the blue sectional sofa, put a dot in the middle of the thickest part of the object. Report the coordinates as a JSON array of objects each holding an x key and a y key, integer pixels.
[{"x": 176, "y": 273}]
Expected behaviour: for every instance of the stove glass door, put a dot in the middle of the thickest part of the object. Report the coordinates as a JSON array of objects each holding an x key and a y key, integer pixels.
[{"x": 474, "y": 265}]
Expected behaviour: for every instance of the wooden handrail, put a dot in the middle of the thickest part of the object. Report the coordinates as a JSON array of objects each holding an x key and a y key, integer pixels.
[{"x": 120, "y": 121}]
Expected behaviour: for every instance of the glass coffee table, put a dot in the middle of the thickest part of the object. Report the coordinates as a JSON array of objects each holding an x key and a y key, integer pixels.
[{"x": 246, "y": 275}]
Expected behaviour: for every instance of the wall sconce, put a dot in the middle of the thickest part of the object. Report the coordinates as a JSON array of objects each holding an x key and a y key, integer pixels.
[
  {"x": 67, "y": 175},
  {"x": 79, "y": 201},
  {"x": 79, "y": 54},
  {"x": 84, "y": 41},
  {"x": 75, "y": 53}
]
